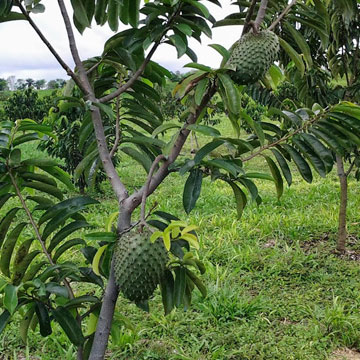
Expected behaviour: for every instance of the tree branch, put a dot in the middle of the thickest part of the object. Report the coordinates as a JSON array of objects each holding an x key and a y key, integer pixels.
[
  {"x": 141, "y": 69},
  {"x": 146, "y": 188},
  {"x": 261, "y": 14},
  {"x": 119, "y": 188},
  {"x": 284, "y": 138},
  {"x": 249, "y": 15},
  {"x": 135, "y": 199},
  {"x": 86, "y": 87},
  {"x": 117, "y": 128},
  {"x": 49, "y": 46},
  {"x": 282, "y": 15}
]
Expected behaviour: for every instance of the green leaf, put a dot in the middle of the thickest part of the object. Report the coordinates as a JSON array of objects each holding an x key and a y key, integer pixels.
[
  {"x": 206, "y": 149},
  {"x": 69, "y": 244},
  {"x": 3, "y": 199},
  {"x": 39, "y": 177},
  {"x": 167, "y": 291},
  {"x": 12, "y": 17},
  {"x": 25, "y": 323},
  {"x": 200, "y": 6},
  {"x": 301, "y": 42},
  {"x": 199, "y": 284},
  {"x": 80, "y": 300},
  {"x": 58, "y": 290},
  {"x": 6, "y": 222},
  {"x": 106, "y": 109},
  {"x": 294, "y": 56},
  {"x": 133, "y": 7},
  {"x": 178, "y": 42},
  {"x": 194, "y": 65},
  {"x": 240, "y": 198},
  {"x": 39, "y": 162},
  {"x": 8, "y": 248},
  {"x": 309, "y": 154},
  {"x": 142, "y": 158},
  {"x": 300, "y": 163},
  {"x": 102, "y": 236},
  {"x": 179, "y": 285},
  {"x": 49, "y": 189},
  {"x": 5, "y": 316},
  {"x": 85, "y": 163},
  {"x": 201, "y": 90},
  {"x": 184, "y": 28},
  {"x": 283, "y": 165},
  {"x": 10, "y": 298},
  {"x": 192, "y": 189},
  {"x": 204, "y": 129},
  {"x": 65, "y": 232},
  {"x": 73, "y": 205},
  {"x": 163, "y": 127},
  {"x": 59, "y": 174},
  {"x": 322, "y": 152},
  {"x": 276, "y": 176},
  {"x": 113, "y": 14},
  {"x": 44, "y": 319},
  {"x": 222, "y": 51},
  {"x": 80, "y": 13},
  {"x": 69, "y": 325},
  {"x": 21, "y": 266},
  {"x": 231, "y": 92},
  {"x": 96, "y": 260},
  {"x": 255, "y": 126}
]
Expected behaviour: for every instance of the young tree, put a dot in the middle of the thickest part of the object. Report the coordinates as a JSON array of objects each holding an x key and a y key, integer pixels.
[{"x": 123, "y": 76}]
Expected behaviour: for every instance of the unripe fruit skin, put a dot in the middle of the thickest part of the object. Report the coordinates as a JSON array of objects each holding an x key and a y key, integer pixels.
[
  {"x": 139, "y": 264},
  {"x": 252, "y": 56}
]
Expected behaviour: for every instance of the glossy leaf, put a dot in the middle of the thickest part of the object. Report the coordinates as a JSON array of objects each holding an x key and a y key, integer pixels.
[{"x": 192, "y": 189}]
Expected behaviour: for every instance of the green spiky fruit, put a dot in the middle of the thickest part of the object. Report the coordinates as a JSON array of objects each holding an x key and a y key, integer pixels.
[
  {"x": 139, "y": 264},
  {"x": 252, "y": 56}
]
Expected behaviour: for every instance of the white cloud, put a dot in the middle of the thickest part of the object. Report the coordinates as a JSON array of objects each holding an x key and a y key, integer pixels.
[{"x": 24, "y": 55}]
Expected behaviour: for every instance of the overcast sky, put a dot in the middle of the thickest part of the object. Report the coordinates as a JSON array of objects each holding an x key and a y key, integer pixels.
[{"x": 23, "y": 54}]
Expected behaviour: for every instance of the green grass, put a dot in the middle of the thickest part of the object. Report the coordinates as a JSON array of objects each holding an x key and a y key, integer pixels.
[{"x": 276, "y": 289}]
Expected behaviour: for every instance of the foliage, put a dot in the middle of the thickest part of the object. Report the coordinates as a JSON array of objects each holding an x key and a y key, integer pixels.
[
  {"x": 3, "y": 85},
  {"x": 26, "y": 104},
  {"x": 56, "y": 84}
]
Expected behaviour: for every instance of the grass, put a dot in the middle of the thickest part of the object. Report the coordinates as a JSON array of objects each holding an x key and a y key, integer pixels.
[{"x": 276, "y": 289}]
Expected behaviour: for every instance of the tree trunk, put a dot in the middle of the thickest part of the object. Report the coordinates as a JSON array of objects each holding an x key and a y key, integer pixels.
[
  {"x": 342, "y": 232},
  {"x": 109, "y": 301}
]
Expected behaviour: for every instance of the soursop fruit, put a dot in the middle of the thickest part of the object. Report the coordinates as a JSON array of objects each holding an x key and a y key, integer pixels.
[
  {"x": 252, "y": 56},
  {"x": 139, "y": 264}
]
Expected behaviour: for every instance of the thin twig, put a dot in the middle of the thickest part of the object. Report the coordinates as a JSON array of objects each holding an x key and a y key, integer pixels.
[
  {"x": 86, "y": 88},
  {"x": 282, "y": 15},
  {"x": 49, "y": 46},
  {"x": 37, "y": 232},
  {"x": 352, "y": 164},
  {"x": 141, "y": 69},
  {"x": 147, "y": 185},
  {"x": 284, "y": 138},
  {"x": 117, "y": 128}
]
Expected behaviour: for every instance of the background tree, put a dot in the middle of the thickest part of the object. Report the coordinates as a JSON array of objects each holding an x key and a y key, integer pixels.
[
  {"x": 3, "y": 85},
  {"x": 30, "y": 82},
  {"x": 20, "y": 84},
  {"x": 40, "y": 84}
]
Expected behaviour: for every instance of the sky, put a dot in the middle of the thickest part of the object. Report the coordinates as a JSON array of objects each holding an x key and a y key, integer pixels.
[{"x": 23, "y": 55}]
